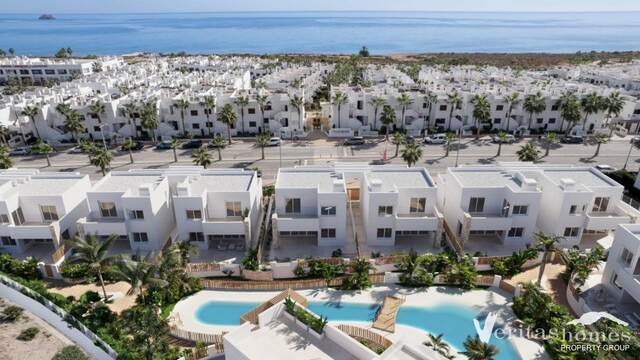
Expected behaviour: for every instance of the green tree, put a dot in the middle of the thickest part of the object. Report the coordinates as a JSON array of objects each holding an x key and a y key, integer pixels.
[
  {"x": 450, "y": 137},
  {"x": 481, "y": 111},
  {"x": 430, "y": 100},
  {"x": 140, "y": 275},
  {"x": 31, "y": 112},
  {"x": 182, "y": 105},
  {"x": 43, "y": 148},
  {"x": 388, "y": 117},
  {"x": 613, "y": 105},
  {"x": 128, "y": 145},
  {"x": 5, "y": 160},
  {"x": 359, "y": 279},
  {"x": 262, "y": 101},
  {"x": 377, "y": 102},
  {"x": 411, "y": 154},
  {"x": 397, "y": 139},
  {"x": 338, "y": 100},
  {"x": 298, "y": 103},
  {"x": 262, "y": 141},
  {"x": 208, "y": 103},
  {"x": 97, "y": 109},
  {"x": 4, "y": 134},
  {"x": 549, "y": 138},
  {"x": 502, "y": 137},
  {"x": 475, "y": 349},
  {"x": 220, "y": 143},
  {"x": 202, "y": 157},
  {"x": 528, "y": 152},
  {"x": 438, "y": 345},
  {"x": 546, "y": 243},
  {"x": 73, "y": 124},
  {"x": 454, "y": 100},
  {"x": 228, "y": 117},
  {"x": 101, "y": 157},
  {"x": 512, "y": 101},
  {"x": 404, "y": 101},
  {"x": 242, "y": 102},
  {"x": 569, "y": 110},
  {"x": 149, "y": 118},
  {"x": 130, "y": 110},
  {"x": 534, "y": 104},
  {"x": 174, "y": 147},
  {"x": 94, "y": 253},
  {"x": 591, "y": 104},
  {"x": 600, "y": 139}
]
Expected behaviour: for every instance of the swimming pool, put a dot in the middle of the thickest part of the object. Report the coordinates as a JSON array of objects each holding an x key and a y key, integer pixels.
[{"x": 454, "y": 321}]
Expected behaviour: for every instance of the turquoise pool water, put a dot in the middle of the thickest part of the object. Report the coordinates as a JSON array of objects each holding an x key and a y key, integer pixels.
[{"x": 454, "y": 321}]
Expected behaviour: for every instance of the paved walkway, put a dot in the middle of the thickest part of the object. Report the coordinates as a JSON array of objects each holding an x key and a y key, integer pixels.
[{"x": 551, "y": 281}]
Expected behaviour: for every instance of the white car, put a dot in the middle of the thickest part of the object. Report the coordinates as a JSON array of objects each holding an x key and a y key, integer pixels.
[
  {"x": 509, "y": 139},
  {"x": 21, "y": 151},
  {"x": 605, "y": 168},
  {"x": 436, "y": 139},
  {"x": 275, "y": 141},
  {"x": 76, "y": 150}
]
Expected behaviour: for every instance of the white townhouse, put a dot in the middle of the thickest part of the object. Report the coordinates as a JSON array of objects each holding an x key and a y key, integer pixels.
[
  {"x": 135, "y": 205},
  {"x": 35, "y": 70},
  {"x": 38, "y": 211},
  {"x": 217, "y": 209},
  {"x": 334, "y": 206},
  {"x": 621, "y": 276}
]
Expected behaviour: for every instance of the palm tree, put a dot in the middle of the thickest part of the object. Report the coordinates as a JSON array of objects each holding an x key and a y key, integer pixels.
[
  {"x": 149, "y": 119},
  {"x": 549, "y": 138},
  {"x": 140, "y": 275},
  {"x": 512, "y": 101},
  {"x": 569, "y": 109},
  {"x": 130, "y": 109},
  {"x": 431, "y": 100},
  {"x": 128, "y": 145},
  {"x": 528, "y": 152},
  {"x": 438, "y": 345},
  {"x": 262, "y": 101},
  {"x": 454, "y": 100},
  {"x": 219, "y": 143},
  {"x": 63, "y": 108},
  {"x": 338, "y": 100},
  {"x": 398, "y": 139},
  {"x": 600, "y": 139},
  {"x": 73, "y": 124},
  {"x": 450, "y": 137},
  {"x": 591, "y": 104},
  {"x": 5, "y": 160},
  {"x": 4, "y": 133},
  {"x": 298, "y": 103},
  {"x": 101, "y": 157},
  {"x": 404, "y": 100},
  {"x": 534, "y": 104},
  {"x": 182, "y": 105},
  {"x": 94, "y": 253},
  {"x": 411, "y": 154},
  {"x": 387, "y": 118},
  {"x": 43, "y": 148},
  {"x": 228, "y": 117},
  {"x": 174, "y": 147},
  {"x": 613, "y": 104},
  {"x": 262, "y": 141},
  {"x": 546, "y": 243},
  {"x": 202, "y": 157},
  {"x": 377, "y": 102},
  {"x": 97, "y": 109},
  {"x": 475, "y": 349},
  {"x": 242, "y": 102},
  {"x": 208, "y": 103},
  {"x": 481, "y": 111},
  {"x": 31, "y": 112},
  {"x": 502, "y": 137}
]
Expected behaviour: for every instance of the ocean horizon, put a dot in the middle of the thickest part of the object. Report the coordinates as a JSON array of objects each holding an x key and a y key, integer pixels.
[{"x": 326, "y": 32}]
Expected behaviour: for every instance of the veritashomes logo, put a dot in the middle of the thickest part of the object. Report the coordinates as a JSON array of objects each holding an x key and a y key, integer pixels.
[{"x": 484, "y": 332}]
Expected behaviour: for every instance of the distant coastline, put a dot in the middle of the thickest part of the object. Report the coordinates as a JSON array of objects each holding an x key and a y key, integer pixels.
[{"x": 46, "y": 17}]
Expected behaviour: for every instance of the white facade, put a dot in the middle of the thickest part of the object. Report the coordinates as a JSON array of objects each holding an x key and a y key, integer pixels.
[
  {"x": 621, "y": 275},
  {"x": 35, "y": 71}
]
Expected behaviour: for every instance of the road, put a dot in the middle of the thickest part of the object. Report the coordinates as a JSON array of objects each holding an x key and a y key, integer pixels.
[{"x": 244, "y": 154}]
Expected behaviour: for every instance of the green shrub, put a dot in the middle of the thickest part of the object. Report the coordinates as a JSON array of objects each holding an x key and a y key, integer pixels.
[
  {"x": 512, "y": 265},
  {"x": 26, "y": 269},
  {"x": 70, "y": 353},
  {"x": 299, "y": 271},
  {"x": 79, "y": 271},
  {"x": 28, "y": 334},
  {"x": 337, "y": 253},
  {"x": 12, "y": 313}
]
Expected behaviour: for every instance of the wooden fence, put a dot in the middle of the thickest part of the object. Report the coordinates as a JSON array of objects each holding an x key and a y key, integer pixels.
[
  {"x": 332, "y": 261},
  {"x": 279, "y": 285},
  {"x": 203, "y": 267},
  {"x": 366, "y": 334},
  {"x": 392, "y": 259},
  {"x": 252, "y": 316},
  {"x": 484, "y": 280},
  {"x": 257, "y": 275},
  {"x": 59, "y": 253},
  {"x": 507, "y": 287},
  {"x": 209, "y": 339}
]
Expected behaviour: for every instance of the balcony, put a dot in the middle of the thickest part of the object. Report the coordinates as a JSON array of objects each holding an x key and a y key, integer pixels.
[
  {"x": 35, "y": 230},
  {"x": 606, "y": 220},
  {"x": 227, "y": 225},
  {"x": 416, "y": 221},
  {"x": 481, "y": 221},
  {"x": 297, "y": 222},
  {"x": 104, "y": 226}
]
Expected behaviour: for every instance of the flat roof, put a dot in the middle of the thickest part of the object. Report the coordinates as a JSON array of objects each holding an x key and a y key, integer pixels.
[
  {"x": 485, "y": 178},
  {"x": 121, "y": 182},
  {"x": 401, "y": 178},
  {"x": 301, "y": 178},
  {"x": 585, "y": 177},
  {"x": 221, "y": 182},
  {"x": 45, "y": 185}
]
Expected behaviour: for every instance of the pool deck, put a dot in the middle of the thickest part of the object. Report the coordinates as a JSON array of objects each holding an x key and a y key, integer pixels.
[{"x": 493, "y": 300}]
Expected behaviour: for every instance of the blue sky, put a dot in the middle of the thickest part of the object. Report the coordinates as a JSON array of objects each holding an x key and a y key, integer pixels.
[{"x": 97, "y": 6}]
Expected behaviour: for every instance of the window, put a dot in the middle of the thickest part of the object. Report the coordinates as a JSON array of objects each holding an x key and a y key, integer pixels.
[
  {"x": 476, "y": 205},
  {"x": 24, "y": 72},
  {"x": 49, "y": 212},
  {"x": 520, "y": 209},
  {"x": 539, "y": 120},
  {"x": 196, "y": 236},
  {"x": 195, "y": 126},
  {"x": 4, "y": 219},
  {"x": 252, "y": 124},
  {"x": 418, "y": 205},
  {"x": 443, "y": 107},
  {"x": 385, "y": 210},
  {"x": 292, "y": 206},
  {"x": 499, "y": 107},
  {"x": 96, "y": 128},
  {"x": 50, "y": 72},
  {"x": 555, "y": 107},
  {"x": 18, "y": 216},
  {"x": 267, "y": 107},
  {"x": 140, "y": 237},
  {"x": 36, "y": 72},
  {"x": 8, "y": 241},
  {"x": 440, "y": 121},
  {"x": 552, "y": 120},
  {"x": 626, "y": 257},
  {"x": 573, "y": 210},
  {"x": 234, "y": 208},
  {"x": 600, "y": 204},
  {"x": 328, "y": 210},
  {"x": 194, "y": 112},
  {"x": 107, "y": 209},
  {"x": 497, "y": 120},
  {"x": 515, "y": 232},
  {"x": 571, "y": 231},
  {"x": 209, "y": 124},
  {"x": 251, "y": 111},
  {"x": 616, "y": 281},
  {"x": 194, "y": 214},
  {"x": 327, "y": 233},
  {"x": 384, "y": 232},
  {"x": 62, "y": 72},
  {"x": 136, "y": 215}
]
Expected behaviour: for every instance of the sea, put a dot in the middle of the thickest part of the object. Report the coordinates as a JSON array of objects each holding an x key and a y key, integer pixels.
[{"x": 321, "y": 32}]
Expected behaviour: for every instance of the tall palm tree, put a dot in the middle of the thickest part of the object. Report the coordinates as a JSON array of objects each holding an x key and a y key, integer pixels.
[
  {"x": 128, "y": 145},
  {"x": 298, "y": 103},
  {"x": 404, "y": 100},
  {"x": 97, "y": 109},
  {"x": 63, "y": 108},
  {"x": 338, "y": 100},
  {"x": 512, "y": 101},
  {"x": 4, "y": 134},
  {"x": 398, "y": 139},
  {"x": 140, "y": 275},
  {"x": 475, "y": 349},
  {"x": 94, "y": 253},
  {"x": 549, "y": 138},
  {"x": 411, "y": 154},
  {"x": 182, "y": 105},
  {"x": 101, "y": 157},
  {"x": 591, "y": 104},
  {"x": 450, "y": 137},
  {"x": 262, "y": 141},
  {"x": 31, "y": 112},
  {"x": 174, "y": 148},
  {"x": 377, "y": 102},
  {"x": 454, "y": 100},
  {"x": 569, "y": 109},
  {"x": 242, "y": 102},
  {"x": 5, "y": 160},
  {"x": 546, "y": 243},
  {"x": 262, "y": 101},
  {"x": 202, "y": 157},
  {"x": 208, "y": 103},
  {"x": 431, "y": 100},
  {"x": 600, "y": 139},
  {"x": 481, "y": 111},
  {"x": 149, "y": 117},
  {"x": 219, "y": 143},
  {"x": 613, "y": 105},
  {"x": 534, "y": 104},
  {"x": 228, "y": 117},
  {"x": 438, "y": 345},
  {"x": 43, "y": 148},
  {"x": 73, "y": 124},
  {"x": 130, "y": 109},
  {"x": 387, "y": 118},
  {"x": 502, "y": 137}
]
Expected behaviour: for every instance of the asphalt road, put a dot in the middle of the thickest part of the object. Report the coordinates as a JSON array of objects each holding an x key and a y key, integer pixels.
[{"x": 244, "y": 154}]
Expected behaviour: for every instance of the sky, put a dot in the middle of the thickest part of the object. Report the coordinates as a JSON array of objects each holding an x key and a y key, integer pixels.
[{"x": 128, "y": 6}]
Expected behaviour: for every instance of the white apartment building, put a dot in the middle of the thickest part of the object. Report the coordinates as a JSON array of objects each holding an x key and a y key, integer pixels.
[
  {"x": 38, "y": 211},
  {"x": 35, "y": 70},
  {"x": 621, "y": 276}
]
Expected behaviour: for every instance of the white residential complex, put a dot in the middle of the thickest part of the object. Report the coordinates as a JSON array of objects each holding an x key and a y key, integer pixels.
[{"x": 621, "y": 276}]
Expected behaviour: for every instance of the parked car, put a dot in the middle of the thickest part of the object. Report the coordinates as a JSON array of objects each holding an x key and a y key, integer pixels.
[
  {"x": 635, "y": 139},
  {"x": 76, "y": 150},
  {"x": 138, "y": 145},
  {"x": 571, "y": 139},
  {"x": 409, "y": 139},
  {"x": 212, "y": 145},
  {"x": 275, "y": 141},
  {"x": 436, "y": 139},
  {"x": 192, "y": 144},
  {"x": 605, "y": 168},
  {"x": 509, "y": 139},
  {"x": 165, "y": 145},
  {"x": 25, "y": 150},
  {"x": 356, "y": 140}
]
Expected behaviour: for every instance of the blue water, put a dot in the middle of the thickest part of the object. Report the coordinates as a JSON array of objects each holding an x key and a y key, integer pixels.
[
  {"x": 321, "y": 32},
  {"x": 454, "y": 321}
]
